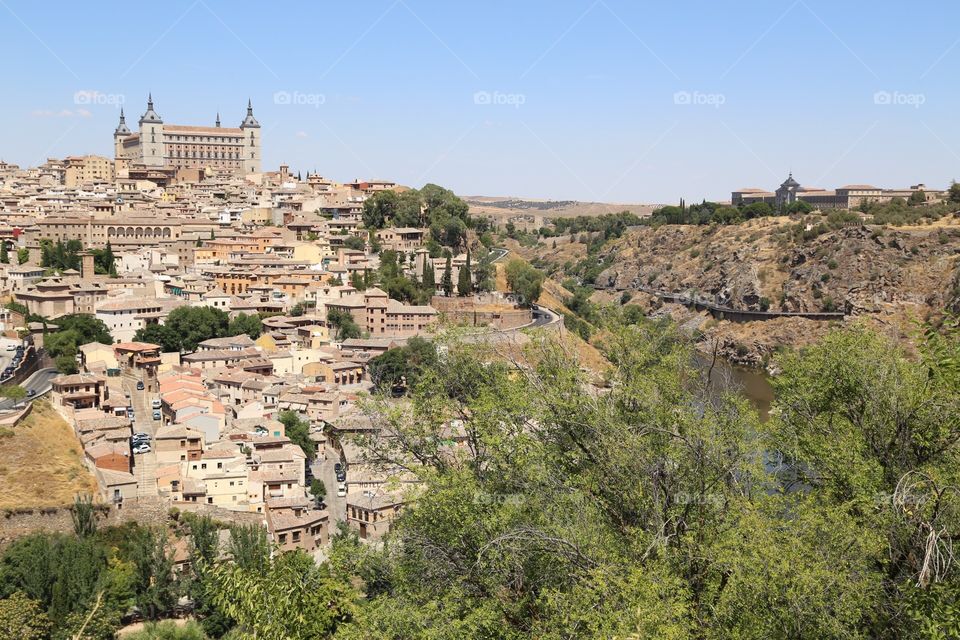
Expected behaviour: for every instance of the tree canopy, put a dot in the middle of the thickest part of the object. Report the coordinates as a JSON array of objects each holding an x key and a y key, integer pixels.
[
  {"x": 439, "y": 209},
  {"x": 402, "y": 366},
  {"x": 524, "y": 280},
  {"x": 73, "y": 331},
  {"x": 186, "y": 327},
  {"x": 662, "y": 506}
]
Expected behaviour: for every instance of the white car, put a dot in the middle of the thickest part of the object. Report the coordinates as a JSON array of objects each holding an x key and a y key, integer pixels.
[
  {"x": 11, "y": 347},
  {"x": 141, "y": 448},
  {"x": 341, "y": 490}
]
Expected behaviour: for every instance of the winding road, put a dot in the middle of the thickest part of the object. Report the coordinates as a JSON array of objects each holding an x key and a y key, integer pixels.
[{"x": 39, "y": 382}]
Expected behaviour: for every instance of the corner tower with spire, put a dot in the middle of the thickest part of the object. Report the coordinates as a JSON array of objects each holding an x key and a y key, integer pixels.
[
  {"x": 121, "y": 132},
  {"x": 151, "y": 137},
  {"x": 251, "y": 141}
]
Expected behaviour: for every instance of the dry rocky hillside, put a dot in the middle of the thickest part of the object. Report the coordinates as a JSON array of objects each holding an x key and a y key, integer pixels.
[{"x": 887, "y": 276}]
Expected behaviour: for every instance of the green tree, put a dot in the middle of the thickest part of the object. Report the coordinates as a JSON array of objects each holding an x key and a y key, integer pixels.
[
  {"x": 4, "y": 256},
  {"x": 342, "y": 322},
  {"x": 305, "y": 601},
  {"x": 159, "y": 334},
  {"x": 156, "y": 591},
  {"x": 485, "y": 272},
  {"x": 23, "y": 255},
  {"x": 298, "y": 431},
  {"x": 953, "y": 194},
  {"x": 23, "y": 619},
  {"x": 355, "y": 243},
  {"x": 73, "y": 331},
  {"x": 248, "y": 547},
  {"x": 168, "y": 630},
  {"x": 524, "y": 280},
  {"x": 917, "y": 198},
  {"x": 429, "y": 278},
  {"x": 318, "y": 490},
  {"x": 465, "y": 279},
  {"x": 379, "y": 209},
  {"x": 757, "y": 210},
  {"x": 446, "y": 284},
  {"x": 801, "y": 207},
  {"x": 186, "y": 327},
  {"x": 13, "y": 392},
  {"x": 244, "y": 324},
  {"x": 402, "y": 366},
  {"x": 84, "y": 516},
  {"x": 87, "y": 328}
]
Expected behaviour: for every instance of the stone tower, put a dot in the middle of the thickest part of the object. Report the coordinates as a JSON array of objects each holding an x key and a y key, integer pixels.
[
  {"x": 151, "y": 137},
  {"x": 251, "y": 141}
]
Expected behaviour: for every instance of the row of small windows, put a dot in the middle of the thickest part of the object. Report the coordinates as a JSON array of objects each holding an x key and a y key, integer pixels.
[
  {"x": 206, "y": 139},
  {"x": 205, "y": 154}
]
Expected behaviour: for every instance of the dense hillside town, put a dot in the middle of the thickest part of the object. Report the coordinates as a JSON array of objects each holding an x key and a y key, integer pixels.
[{"x": 209, "y": 329}]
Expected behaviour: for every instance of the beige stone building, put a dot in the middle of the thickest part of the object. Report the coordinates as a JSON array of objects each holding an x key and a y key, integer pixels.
[
  {"x": 85, "y": 169},
  {"x": 848, "y": 196},
  {"x": 174, "y": 146}
]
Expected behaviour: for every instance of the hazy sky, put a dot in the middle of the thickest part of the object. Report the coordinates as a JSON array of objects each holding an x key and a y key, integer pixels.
[{"x": 590, "y": 99}]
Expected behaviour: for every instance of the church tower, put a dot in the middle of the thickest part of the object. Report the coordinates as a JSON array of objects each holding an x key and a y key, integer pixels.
[
  {"x": 151, "y": 137},
  {"x": 251, "y": 141}
]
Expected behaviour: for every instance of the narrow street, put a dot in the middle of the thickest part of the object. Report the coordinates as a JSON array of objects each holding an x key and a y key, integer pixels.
[
  {"x": 323, "y": 469},
  {"x": 145, "y": 464}
]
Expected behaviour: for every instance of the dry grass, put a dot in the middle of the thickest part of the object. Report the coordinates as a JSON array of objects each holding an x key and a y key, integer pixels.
[{"x": 41, "y": 464}]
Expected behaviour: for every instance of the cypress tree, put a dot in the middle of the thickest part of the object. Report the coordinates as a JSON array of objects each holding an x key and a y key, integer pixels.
[
  {"x": 447, "y": 283},
  {"x": 464, "y": 279},
  {"x": 4, "y": 256},
  {"x": 429, "y": 278}
]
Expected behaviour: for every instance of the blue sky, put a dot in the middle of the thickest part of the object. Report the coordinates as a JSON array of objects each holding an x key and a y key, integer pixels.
[{"x": 590, "y": 99}]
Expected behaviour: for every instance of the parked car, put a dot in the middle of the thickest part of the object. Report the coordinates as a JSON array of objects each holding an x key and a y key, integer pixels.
[
  {"x": 156, "y": 415},
  {"x": 140, "y": 435},
  {"x": 140, "y": 386},
  {"x": 141, "y": 448},
  {"x": 11, "y": 347},
  {"x": 155, "y": 403},
  {"x": 341, "y": 490},
  {"x": 341, "y": 476},
  {"x": 338, "y": 467},
  {"x": 31, "y": 393},
  {"x": 130, "y": 413}
]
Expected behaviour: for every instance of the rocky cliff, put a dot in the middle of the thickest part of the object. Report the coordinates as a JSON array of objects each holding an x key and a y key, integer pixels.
[{"x": 888, "y": 276}]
